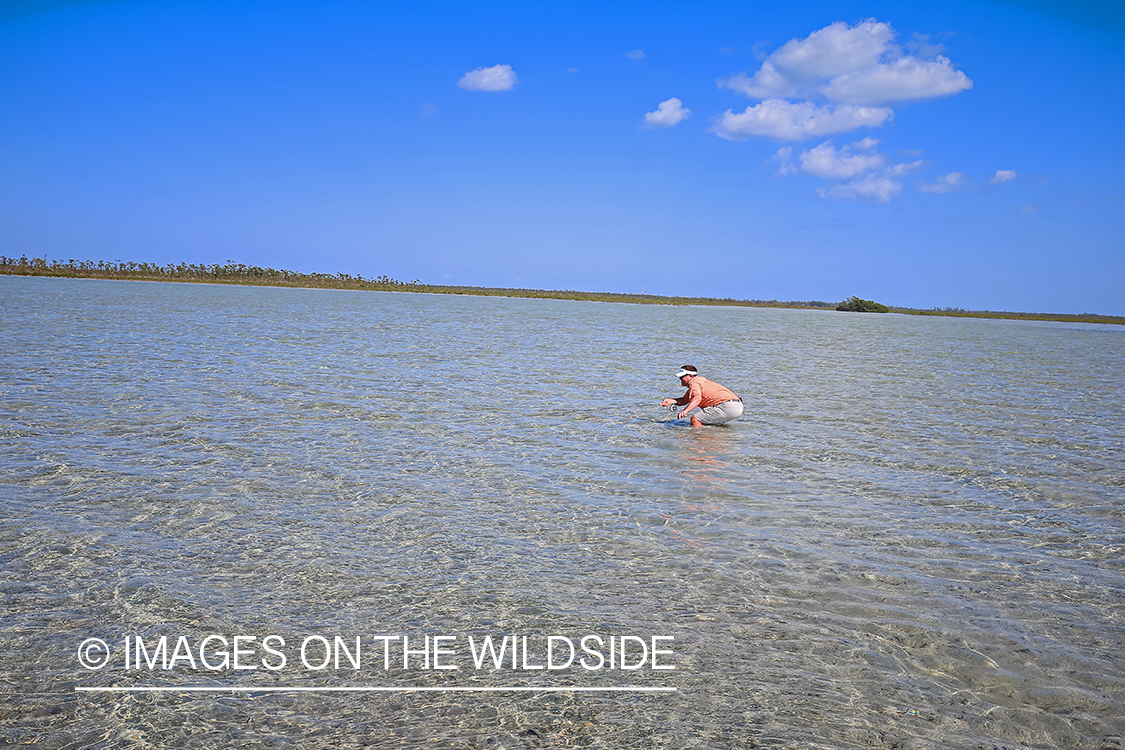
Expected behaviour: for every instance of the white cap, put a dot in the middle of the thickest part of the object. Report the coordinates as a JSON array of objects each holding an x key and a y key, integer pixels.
[{"x": 684, "y": 371}]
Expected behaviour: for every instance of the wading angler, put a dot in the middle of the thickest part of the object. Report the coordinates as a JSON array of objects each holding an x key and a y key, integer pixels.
[{"x": 716, "y": 404}]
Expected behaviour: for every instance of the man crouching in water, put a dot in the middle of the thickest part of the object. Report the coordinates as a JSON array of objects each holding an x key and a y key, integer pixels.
[{"x": 719, "y": 405}]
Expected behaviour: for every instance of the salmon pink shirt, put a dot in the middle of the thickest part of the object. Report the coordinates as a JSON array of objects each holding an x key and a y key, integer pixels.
[{"x": 710, "y": 394}]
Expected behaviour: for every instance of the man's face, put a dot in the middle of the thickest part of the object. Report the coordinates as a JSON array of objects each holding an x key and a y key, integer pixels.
[{"x": 685, "y": 380}]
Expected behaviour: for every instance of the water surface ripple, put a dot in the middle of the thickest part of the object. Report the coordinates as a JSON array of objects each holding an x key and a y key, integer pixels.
[{"x": 914, "y": 538}]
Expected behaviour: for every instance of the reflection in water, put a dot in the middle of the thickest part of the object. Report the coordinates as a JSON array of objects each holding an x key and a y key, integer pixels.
[{"x": 913, "y": 538}]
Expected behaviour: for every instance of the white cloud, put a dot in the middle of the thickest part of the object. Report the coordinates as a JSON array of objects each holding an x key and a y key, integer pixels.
[
  {"x": 1002, "y": 176},
  {"x": 832, "y": 164},
  {"x": 496, "y": 78},
  {"x": 636, "y": 54},
  {"x": 903, "y": 169},
  {"x": 858, "y": 64},
  {"x": 949, "y": 183},
  {"x": 669, "y": 113},
  {"x": 785, "y": 121},
  {"x": 905, "y": 79},
  {"x": 856, "y": 69},
  {"x": 783, "y": 155},
  {"x": 858, "y": 163},
  {"x": 767, "y": 83},
  {"x": 874, "y": 187},
  {"x": 837, "y": 48}
]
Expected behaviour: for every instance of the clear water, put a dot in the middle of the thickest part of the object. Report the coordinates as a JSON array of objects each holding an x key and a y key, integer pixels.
[{"x": 914, "y": 538}]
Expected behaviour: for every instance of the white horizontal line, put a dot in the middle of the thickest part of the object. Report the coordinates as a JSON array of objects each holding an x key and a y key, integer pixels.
[{"x": 375, "y": 689}]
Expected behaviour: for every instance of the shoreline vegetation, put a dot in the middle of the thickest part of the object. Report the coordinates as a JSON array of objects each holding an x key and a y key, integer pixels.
[{"x": 237, "y": 273}]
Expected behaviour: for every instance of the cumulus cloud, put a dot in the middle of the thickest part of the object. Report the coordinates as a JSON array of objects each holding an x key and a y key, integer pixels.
[
  {"x": 853, "y": 68},
  {"x": 949, "y": 183},
  {"x": 862, "y": 170},
  {"x": 874, "y": 187},
  {"x": 496, "y": 78},
  {"x": 858, "y": 64},
  {"x": 783, "y": 155},
  {"x": 785, "y": 121},
  {"x": 1002, "y": 176},
  {"x": 669, "y": 113},
  {"x": 905, "y": 79},
  {"x": 832, "y": 164},
  {"x": 636, "y": 54},
  {"x": 767, "y": 83},
  {"x": 903, "y": 169}
]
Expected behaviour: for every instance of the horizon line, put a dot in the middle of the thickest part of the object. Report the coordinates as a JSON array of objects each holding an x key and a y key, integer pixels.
[{"x": 240, "y": 274}]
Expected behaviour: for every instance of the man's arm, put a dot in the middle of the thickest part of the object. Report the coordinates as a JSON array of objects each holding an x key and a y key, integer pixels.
[
  {"x": 693, "y": 397},
  {"x": 694, "y": 402},
  {"x": 677, "y": 401}
]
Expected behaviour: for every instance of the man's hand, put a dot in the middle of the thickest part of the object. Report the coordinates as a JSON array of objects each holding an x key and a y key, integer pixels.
[{"x": 668, "y": 402}]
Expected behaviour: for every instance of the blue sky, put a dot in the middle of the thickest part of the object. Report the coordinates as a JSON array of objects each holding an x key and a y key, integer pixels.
[{"x": 963, "y": 154}]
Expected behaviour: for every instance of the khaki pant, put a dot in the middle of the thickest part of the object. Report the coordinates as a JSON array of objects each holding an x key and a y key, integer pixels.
[{"x": 728, "y": 411}]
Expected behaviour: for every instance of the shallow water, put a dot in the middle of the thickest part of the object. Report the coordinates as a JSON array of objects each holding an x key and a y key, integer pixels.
[{"x": 914, "y": 538}]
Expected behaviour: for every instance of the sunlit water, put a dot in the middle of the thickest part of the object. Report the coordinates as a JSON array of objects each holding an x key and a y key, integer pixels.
[{"x": 914, "y": 538}]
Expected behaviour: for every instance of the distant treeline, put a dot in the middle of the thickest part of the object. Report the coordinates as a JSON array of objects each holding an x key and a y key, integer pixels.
[
  {"x": 1063, "y": 317},
  {"x": 231, "y": 272},
  {"x": 238, "y": 273}
]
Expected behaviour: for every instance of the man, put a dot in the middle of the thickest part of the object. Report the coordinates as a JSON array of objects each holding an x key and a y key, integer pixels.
[{"x": 718, "y": 405}]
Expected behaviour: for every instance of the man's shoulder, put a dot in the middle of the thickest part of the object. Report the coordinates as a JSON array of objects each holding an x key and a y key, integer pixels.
[{"x": 698, "y": 382}]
